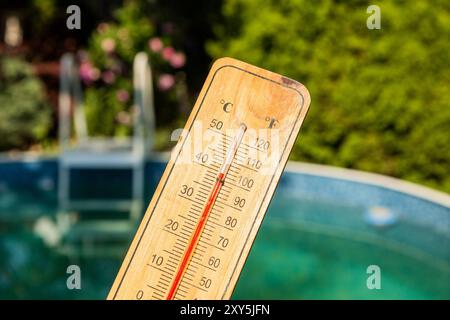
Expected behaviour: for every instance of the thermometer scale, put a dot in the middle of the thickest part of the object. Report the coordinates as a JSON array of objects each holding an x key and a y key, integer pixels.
[{"x": 197, "y": 232}]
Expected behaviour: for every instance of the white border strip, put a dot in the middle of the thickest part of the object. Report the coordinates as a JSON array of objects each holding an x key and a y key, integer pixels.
[
  {"x": 371, "y": 179},
  {"x": 374, "y": 179},
  {"x": 30, "y": 156}
]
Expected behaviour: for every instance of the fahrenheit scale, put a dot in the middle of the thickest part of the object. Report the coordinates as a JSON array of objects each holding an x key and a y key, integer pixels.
[{"x": 204, "y": 215}]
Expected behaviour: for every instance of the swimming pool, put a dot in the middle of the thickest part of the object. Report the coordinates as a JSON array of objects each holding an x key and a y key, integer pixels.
[{"x": 324, "y": 228}]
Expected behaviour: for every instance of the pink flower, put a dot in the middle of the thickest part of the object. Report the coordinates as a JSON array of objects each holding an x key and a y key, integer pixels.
[
  {"x": 102, "y": 27},
  {"x": 108, "y": 45},
  {"x": 165, "y": 82},
  {"x": 123, "y": 117},
  {"x": 155, "y": 44},
  {"x": 95, "y": 74},
  {"x": 123, "y": 95},
  {"x": 167, "y": 53},
  {"x": 177, "y": 60},
  {"x": 108, "y": 76},
  {"x": 88, "y": 73},
  {"x": 85, "y": 71}
]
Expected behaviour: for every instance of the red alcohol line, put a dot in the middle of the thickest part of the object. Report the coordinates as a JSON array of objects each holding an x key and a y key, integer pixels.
[
  {"x": 203, "y": 218},
  {"x": 196, "y": 236}
]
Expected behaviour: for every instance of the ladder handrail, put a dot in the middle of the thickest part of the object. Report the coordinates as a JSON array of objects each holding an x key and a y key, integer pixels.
[
  {"x": 70, "y": 93},
  {"x": 143, "y": 104}
]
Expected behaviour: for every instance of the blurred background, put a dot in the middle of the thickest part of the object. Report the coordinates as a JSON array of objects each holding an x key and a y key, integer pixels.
[{"x": 379, "y": 105}]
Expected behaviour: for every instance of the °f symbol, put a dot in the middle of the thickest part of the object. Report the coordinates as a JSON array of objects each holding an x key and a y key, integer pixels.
[{"x": 272, "y": 122}]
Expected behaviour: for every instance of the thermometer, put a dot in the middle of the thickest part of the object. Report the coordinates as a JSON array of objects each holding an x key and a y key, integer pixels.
[{"x": 200, "y": 225}]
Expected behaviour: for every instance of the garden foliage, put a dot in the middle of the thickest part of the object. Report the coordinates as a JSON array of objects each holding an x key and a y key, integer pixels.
[
  {"x": 25, "y": 116},
  {"x": 106, "y": 70},
  {"x": 380, "y": 98}
]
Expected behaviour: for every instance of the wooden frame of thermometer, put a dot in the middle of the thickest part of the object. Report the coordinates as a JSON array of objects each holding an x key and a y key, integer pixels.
[{"x": 197, "y": 232}]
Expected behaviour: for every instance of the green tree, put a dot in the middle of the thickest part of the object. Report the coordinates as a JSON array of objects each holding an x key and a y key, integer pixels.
[
  {"x": 25, "y": 116},
  {"x": 379, "y": 97}
]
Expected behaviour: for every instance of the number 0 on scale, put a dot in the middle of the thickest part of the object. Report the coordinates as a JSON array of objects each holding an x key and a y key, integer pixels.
[{"x": 204, "y": 215}]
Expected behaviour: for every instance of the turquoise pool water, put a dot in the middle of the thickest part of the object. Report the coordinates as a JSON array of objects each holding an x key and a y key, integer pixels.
[
  {"x": 314, "y": 244},
  {"x": 312, "y": 261}
]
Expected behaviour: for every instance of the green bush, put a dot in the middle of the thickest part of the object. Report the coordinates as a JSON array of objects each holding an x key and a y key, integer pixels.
[
  {"x": 25, "y": 116},
  {"x": 379, "y": 97}
]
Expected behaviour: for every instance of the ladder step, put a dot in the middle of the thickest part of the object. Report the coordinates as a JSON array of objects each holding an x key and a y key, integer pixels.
[
  {"x": 101, "y": 204},
  {"x": 103, "y": 161},
  {"x": 100, "y": 230},
  {"x": 95, "y": 251}
]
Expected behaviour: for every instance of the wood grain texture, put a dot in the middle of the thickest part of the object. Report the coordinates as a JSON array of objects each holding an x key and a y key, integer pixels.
[{"x": 273, "y": 108}]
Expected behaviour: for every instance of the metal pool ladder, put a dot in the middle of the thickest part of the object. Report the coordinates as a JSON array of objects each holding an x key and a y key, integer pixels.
[{"x": 89, "y": 153}]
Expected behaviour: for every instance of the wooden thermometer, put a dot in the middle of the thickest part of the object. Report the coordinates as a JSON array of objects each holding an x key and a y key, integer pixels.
[{"x": 204, "y": 215}]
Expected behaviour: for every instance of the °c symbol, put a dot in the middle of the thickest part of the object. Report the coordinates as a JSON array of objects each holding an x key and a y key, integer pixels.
[{"x": 226, "y": 106}]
